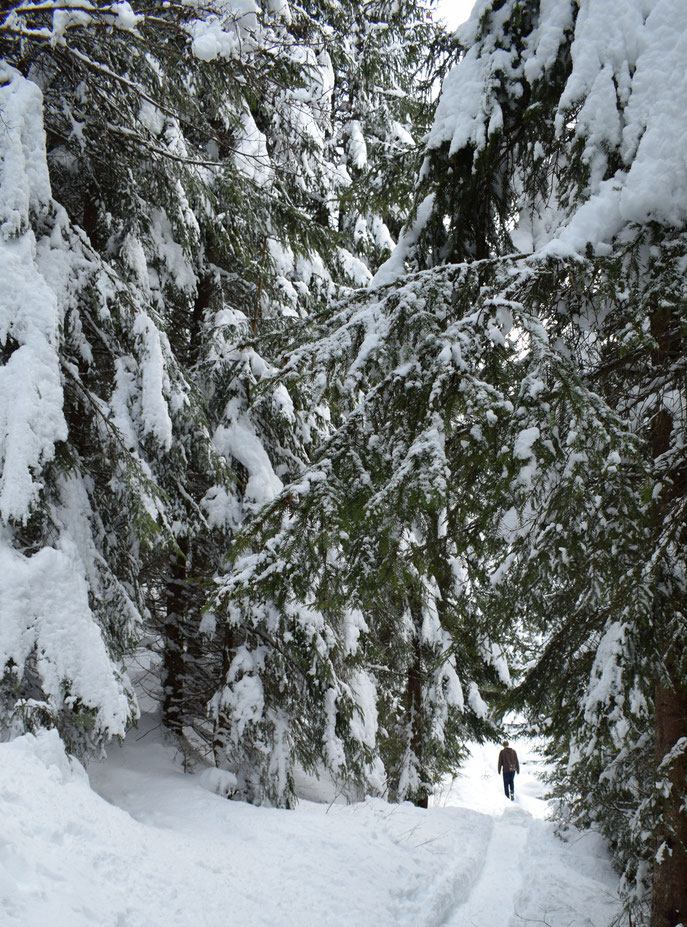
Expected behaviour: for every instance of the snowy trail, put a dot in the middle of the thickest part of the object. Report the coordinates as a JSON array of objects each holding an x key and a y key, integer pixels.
[
  {"x": 137, "y": 843},
  {"x": 528, "y": 875},
  {"x": 493, "y": 897}
]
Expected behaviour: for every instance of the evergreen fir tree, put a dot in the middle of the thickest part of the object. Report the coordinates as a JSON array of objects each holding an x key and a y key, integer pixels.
[
  {"x": 561, "y": 337},
  {"x": 558, "y": 145},
  {"x": 161, "y": 185},
  {"x": 259, "y": 726},
  {"x": 206, "y": 211}
]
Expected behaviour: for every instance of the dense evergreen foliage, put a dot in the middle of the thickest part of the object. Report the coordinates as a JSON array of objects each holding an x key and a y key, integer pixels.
[
  {"x": 199, "y": 184},
  {"x": 336, "y": 426},
  {"x": 560, "y": 153}
]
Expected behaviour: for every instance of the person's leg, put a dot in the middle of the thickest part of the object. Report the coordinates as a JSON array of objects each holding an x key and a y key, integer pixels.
[
  {"x": 508, "y": 785},
  {"x": 505, "y": 783}
]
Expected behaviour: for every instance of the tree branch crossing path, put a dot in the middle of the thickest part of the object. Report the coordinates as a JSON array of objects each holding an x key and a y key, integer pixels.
[{"x": 136, "y": 842}]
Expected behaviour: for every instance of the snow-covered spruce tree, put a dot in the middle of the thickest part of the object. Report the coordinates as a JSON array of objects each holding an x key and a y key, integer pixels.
[
  {"x": 72, "y": 512},
  {"x": 615, "y": 724},
  {"x": 559, "y": 130},
  {"x": 210, "y": 205},
  {"x": 155, "y": 272},
  {"x": 342, "y": 132},
  {"x": 383, "y": 58},
  {"x": 123, "y": 392},
  {"x": 321, "y": 173},
  {"x": 387, "y": 538}
]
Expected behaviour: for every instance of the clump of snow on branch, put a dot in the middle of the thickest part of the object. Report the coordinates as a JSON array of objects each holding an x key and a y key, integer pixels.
[
  {"x": 31, "y": 419},
  {"x": 226, "y": 34},
  {"x": 44, "y": 609},
  {"x": 606, "y": 684},
  {"x": 622, "y": 97},
  {"x": 393, "y": 268},
  {"x": 238, "y": 440}
]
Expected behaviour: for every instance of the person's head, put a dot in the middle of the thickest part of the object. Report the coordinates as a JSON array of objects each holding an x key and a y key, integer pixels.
[{"x": 505, "y": 743}]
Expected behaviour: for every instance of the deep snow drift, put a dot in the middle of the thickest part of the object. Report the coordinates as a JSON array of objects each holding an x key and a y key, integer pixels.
[{"x": 145, "y": 845}]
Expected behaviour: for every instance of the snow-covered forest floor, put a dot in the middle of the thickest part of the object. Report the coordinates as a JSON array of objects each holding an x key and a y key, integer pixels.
[{"x": 138, "y": 843}]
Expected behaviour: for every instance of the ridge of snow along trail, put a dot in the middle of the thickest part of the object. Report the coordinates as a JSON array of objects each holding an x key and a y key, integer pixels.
[{"x": 138, "y": 843}]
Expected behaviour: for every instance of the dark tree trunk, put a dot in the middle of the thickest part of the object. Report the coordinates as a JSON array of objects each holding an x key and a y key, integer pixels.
[
  {"x": 669, "y": 902},
  {"x": 230, "y": 641},
  {"x": 202, "y": 301},
  {"x": 174, "y": 656},
  {"x": 90, "y": 215},
  {"x": 669, "y": 896},
  {"x": 414, "y": 710}
]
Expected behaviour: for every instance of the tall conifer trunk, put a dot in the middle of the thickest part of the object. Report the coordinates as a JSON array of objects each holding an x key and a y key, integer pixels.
[
  {"x": 416, "y": 721},
  {"x": 669, "y": 905},
  {"x": 669, "y": 898},
  {"x": 174, "y": 657}
]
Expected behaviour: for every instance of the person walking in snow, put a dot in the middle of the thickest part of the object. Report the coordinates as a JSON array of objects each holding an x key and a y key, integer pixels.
[{"x": 508, "y": 762}]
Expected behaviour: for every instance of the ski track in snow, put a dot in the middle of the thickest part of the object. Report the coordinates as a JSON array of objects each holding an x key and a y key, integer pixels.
[
  {"x": 492, "y": 899},
  {"x": 137, "y": 843}
]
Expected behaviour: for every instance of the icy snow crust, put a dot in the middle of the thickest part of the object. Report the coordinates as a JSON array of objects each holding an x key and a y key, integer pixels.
[
  {"x": 628, "y": 84},
  {"x": 144, "y": 845}
]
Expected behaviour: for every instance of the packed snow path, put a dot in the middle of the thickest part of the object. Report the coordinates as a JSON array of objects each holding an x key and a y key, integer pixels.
[
  {"x": 493, "y": 897},
  {"x": 528, "y": 876},
  {"x": 137, "y": 843}
]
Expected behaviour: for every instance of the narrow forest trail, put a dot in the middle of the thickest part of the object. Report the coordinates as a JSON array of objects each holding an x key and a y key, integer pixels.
[
  {"x": 527, "y": 876},
  {"x": 138, "y": 843}
]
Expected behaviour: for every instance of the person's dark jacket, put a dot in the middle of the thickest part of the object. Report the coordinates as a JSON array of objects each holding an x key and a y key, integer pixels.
[{"x": 508, "y": 760}]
